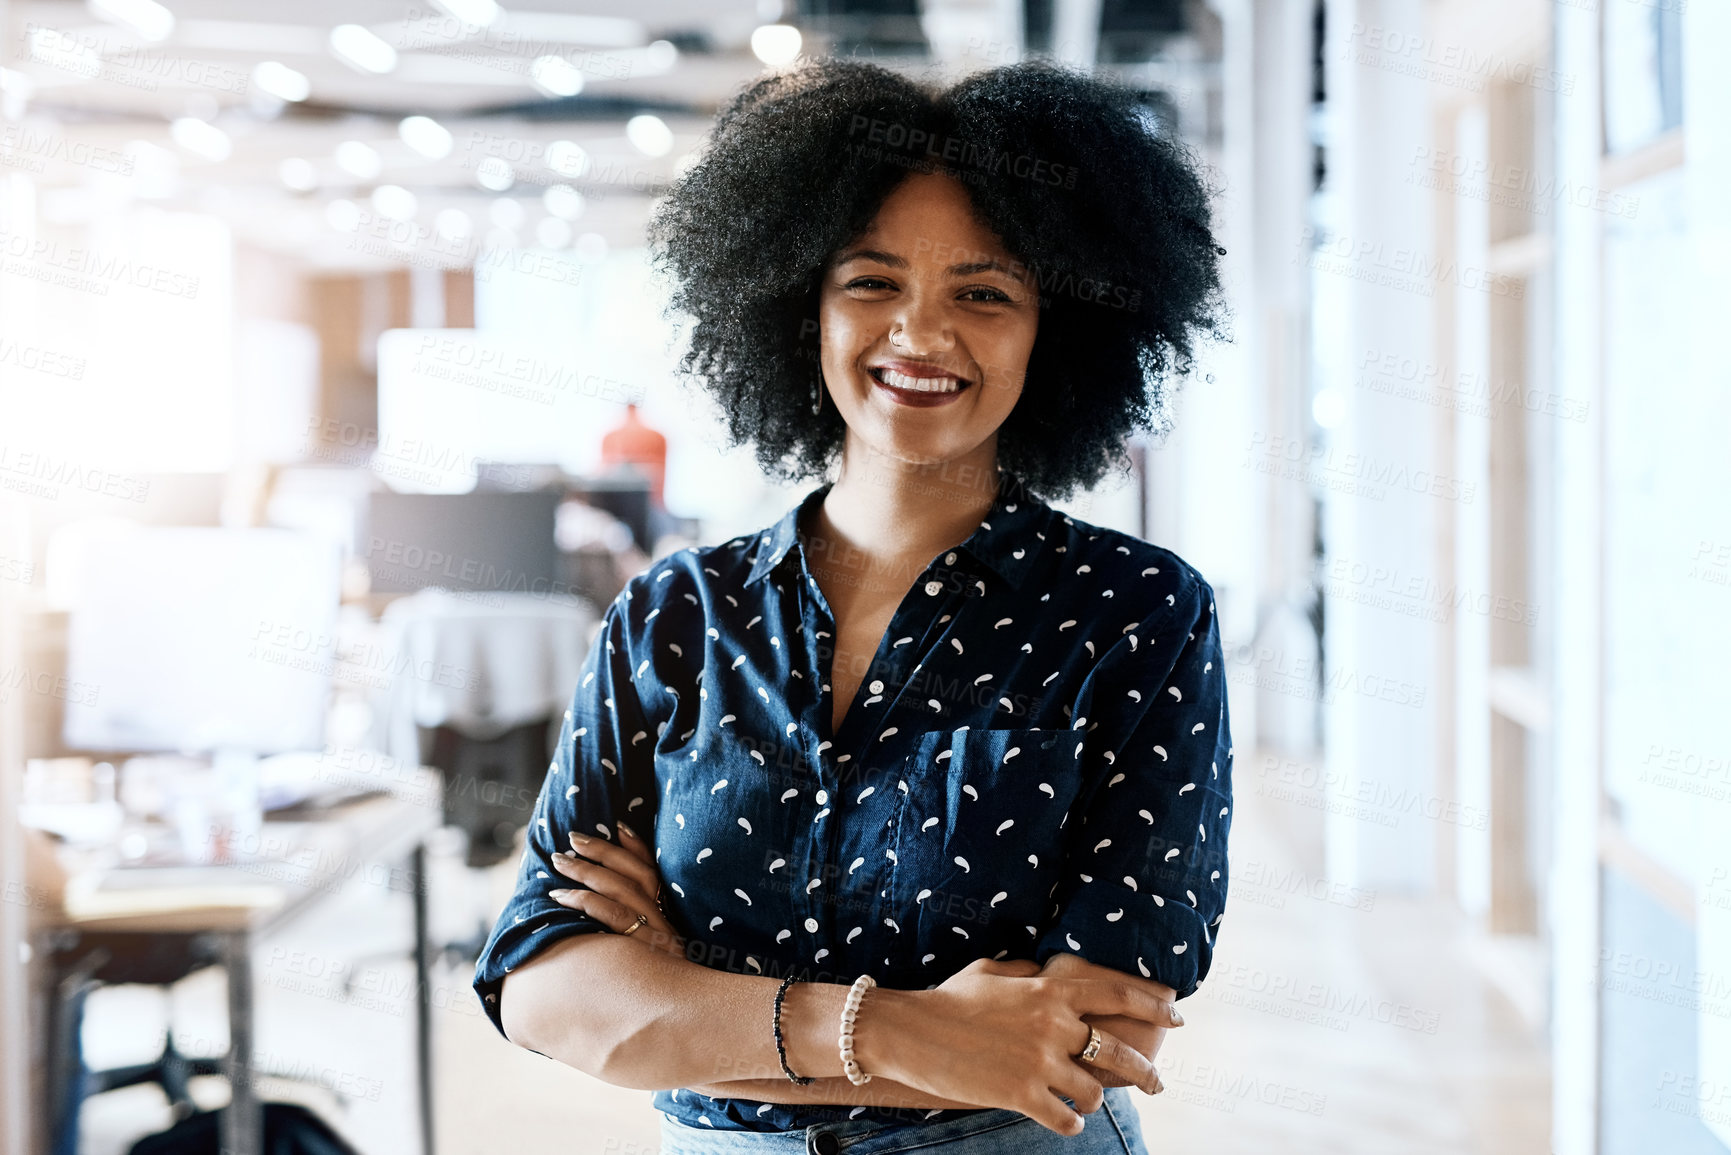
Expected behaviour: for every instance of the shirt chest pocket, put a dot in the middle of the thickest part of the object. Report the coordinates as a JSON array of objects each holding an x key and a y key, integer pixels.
[{"x": 979, "y": 841}]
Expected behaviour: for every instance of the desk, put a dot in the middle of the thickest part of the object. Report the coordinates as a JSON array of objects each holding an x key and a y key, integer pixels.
[{"x": 383, "y": 829}]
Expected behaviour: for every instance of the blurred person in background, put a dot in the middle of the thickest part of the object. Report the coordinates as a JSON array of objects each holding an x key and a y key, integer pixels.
[{"x": 903, "y": 821}]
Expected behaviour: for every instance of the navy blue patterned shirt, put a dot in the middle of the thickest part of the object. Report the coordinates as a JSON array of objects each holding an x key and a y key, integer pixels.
[{"x": 1037, "y": 761}]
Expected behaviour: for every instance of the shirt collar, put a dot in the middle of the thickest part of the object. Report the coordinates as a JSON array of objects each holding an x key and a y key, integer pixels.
[{"x": 1006, "y": 540}]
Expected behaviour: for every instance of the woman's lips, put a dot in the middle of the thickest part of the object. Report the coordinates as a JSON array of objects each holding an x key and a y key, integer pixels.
[{"x": 921, "y": 391}]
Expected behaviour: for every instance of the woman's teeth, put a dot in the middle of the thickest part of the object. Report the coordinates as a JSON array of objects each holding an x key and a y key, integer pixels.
[{"x": 919, "y": 384}]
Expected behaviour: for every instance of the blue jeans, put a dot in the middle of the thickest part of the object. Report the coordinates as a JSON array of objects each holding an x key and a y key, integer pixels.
[{"x": 1112, "y": 1130}]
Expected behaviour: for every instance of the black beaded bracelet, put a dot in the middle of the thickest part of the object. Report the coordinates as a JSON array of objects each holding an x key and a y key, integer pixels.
[{"x": 781, "y": 1047}]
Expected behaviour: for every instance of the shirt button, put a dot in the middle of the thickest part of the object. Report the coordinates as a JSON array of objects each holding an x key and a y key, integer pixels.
[
  {"x": 811, "y": 925},
  {"x": 877, "y": 686},
  {"x": 950, "y": 558},
  {"x": 934, "y": 588},
  {"x": 823, "y": 797}
]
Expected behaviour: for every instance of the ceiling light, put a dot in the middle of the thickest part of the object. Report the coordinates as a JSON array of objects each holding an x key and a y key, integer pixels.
[
  {"x": 145, "y": 17},
  {"x": 563, "y": 201},
  {"x": 394, "y": 202},
  {"x": 201, "y": 138},
  {"x": 553, "y": 233},
  {"x": 360, "y": 48},
  {"x": 591, "y": 247},
  {"x": 556, "y": 76},
  {"x": 360, "y": 161},
  {"x": 776, "y": 44},
  {"x": 453, "y": 224},
  {"x": 343, "y": 215},
  {"x": 298, "y": 173},
  {"x": 649, "y": 134},
  {"x": 281, "y": 81},
  {"x": 660, "y": 57},
  {"x": 59, "y": 50},
  {"x": 567, "y": 158},
  {"x": 495, "y": 174},
  {"x": 426, "y": 136},
  {"x": 481, "y": 12},
  {"x": 155, "y": 170},
  {"x": 571, "y": 28}
]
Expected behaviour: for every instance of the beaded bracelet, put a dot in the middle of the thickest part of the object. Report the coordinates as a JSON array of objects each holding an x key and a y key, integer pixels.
[
  {"x": 780, "y": 1046},
  {"x": 849, "y": 1012}
]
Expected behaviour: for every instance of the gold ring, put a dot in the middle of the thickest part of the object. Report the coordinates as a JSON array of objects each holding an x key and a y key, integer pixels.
[
  {"x": 1092, "y": 1050},
  {"x": 642, "y": 920}
]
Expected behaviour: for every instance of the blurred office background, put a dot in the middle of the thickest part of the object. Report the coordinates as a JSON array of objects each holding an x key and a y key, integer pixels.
[{"x": 336, "y": 398}]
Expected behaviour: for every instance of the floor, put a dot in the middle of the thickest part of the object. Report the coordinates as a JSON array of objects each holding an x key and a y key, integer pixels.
[{"x": 1334, "y": 1021}]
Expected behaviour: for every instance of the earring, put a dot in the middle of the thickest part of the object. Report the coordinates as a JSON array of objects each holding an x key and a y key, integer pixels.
[{"x": 816, "y": 392}]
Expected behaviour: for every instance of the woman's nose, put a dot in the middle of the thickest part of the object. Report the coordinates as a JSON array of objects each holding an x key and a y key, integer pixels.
[{"x": 921, "y": 326}]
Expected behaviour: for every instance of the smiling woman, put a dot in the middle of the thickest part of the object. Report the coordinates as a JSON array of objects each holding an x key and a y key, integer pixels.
[
  {"x": 1116, "y": 258},
  {"x": 907, "y": 815}
]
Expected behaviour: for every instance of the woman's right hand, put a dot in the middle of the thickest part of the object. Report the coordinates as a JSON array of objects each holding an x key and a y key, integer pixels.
[{"x": 1003, "y": 1034}]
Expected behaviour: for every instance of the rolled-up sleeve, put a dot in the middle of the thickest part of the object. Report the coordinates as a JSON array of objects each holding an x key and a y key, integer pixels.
[
  {"x": 1144, "y": 884},
  {"x": 602, "y": 776}
]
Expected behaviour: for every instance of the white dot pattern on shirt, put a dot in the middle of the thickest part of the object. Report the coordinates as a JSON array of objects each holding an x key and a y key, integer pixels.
[{"x": 945, "y": 802}]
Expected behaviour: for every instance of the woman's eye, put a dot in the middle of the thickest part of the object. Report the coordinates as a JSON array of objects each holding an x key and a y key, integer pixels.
[
  {"x": 869, "y": 283},
  {"x": 983, "y": 294}
]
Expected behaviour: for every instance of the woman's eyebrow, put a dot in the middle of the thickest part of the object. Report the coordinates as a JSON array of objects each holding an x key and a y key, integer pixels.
[
  {"x": 980, "y": 267},
  {"x": 961, "y": 270},
  {"x": 877, "y": 255}
]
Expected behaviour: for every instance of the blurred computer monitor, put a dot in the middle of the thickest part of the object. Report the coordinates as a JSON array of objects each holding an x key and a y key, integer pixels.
[
  {"x": 468, "y": 542},
  {"x": 625, "y": 495},
  {"x": 201, "y": 640}
]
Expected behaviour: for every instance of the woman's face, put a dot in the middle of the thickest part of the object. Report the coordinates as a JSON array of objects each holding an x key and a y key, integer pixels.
[{"x": 926, "y": 322}]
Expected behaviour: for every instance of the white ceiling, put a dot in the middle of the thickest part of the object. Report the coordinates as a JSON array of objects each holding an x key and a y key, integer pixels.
[{"x": 92, "y": 142}]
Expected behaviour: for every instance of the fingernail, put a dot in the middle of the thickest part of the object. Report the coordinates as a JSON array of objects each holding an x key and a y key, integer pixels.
[
  {"x": 1177, "y": 1019},
  {"x": 560, "y": 893},
  {"x": 578, "y": 840},
  {"x": 1159, "y": 1086},
  {"x": 627, "y": 831}
]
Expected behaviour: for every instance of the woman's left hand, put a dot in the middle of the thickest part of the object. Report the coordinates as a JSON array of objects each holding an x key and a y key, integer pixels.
[{"x": 622, "y": 883}]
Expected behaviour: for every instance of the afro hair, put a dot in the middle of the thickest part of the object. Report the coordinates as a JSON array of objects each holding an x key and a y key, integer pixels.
[{"x": 1073, "y": 175}]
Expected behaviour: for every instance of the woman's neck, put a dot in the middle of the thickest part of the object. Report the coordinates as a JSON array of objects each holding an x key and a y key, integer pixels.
[{"x": 887, "y": 508}]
